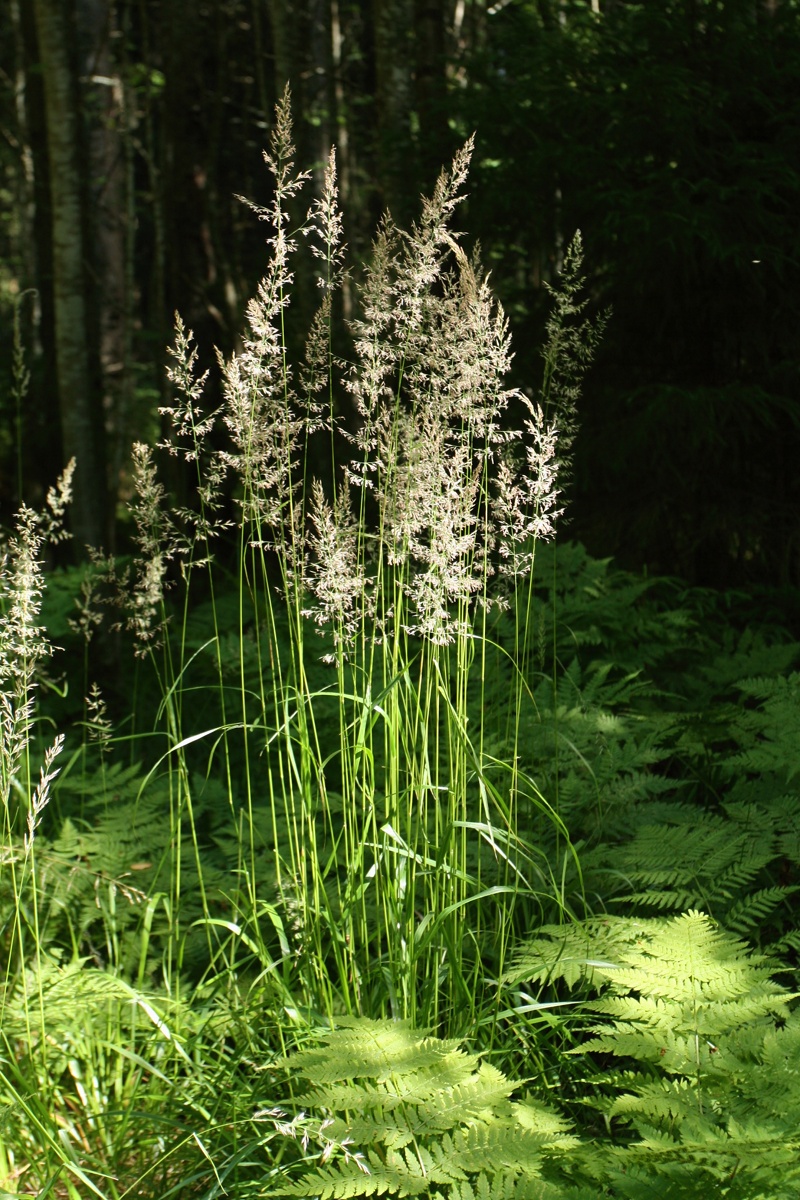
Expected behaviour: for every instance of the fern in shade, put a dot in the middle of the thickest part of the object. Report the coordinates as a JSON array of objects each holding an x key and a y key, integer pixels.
[
  {"x": 735, "y": 854},
  {"x": 426, "y": 1118},
  {"x": 679, "y": 857}
]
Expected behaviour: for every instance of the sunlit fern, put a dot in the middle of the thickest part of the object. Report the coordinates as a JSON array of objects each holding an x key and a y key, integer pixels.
[
  {"x": 707, "y": 1084},
  {"x": 426, "y": 1118}
]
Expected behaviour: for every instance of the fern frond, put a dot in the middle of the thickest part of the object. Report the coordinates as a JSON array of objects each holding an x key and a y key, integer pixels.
[
  {"x": 507, "y": 1147},
  {"x": 710, "y": 1081},
  {"x": 661, "y": 1102},
  {"x": 683, "y": 858},
  {"x": 579, "y": 954},
  {"x": 396, "y": 1174},
  {"x": 752, "y": 910},
  {"x": 689, "y": 961},
  {"x": 428, "y": 1115},
  {"x": 768, "y": 733},
  {"x": 358, "y": 1048},
  {"x": 475, "y": 1099},
  {"x": 514, "y": 1187}
]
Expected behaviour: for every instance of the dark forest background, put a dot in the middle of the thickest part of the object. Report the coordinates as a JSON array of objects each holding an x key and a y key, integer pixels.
[{"x": 668, "y": 132}]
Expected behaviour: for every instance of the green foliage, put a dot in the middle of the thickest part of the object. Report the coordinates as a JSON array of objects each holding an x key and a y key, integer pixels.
[
  {"x": 700, "y": 1030},
  {"x": 424, "y": 1118},
  {"x": 661, "y": 727},
  {"x": 664, "y": 734},
  {"x": 732, "y": 850}
]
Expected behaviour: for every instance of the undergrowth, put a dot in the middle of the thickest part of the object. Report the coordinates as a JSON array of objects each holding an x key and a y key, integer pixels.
[{"x": 411, "y": 854}]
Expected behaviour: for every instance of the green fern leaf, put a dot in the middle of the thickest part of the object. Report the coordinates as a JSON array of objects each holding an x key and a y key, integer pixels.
[{"x": 428, "y": 1115}]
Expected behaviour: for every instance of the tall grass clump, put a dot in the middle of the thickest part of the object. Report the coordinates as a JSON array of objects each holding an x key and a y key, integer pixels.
[
  {"x": 38, "y": 1001},
  {"x": 328, "y": 823},
  {"x": 384, "y": 851}
]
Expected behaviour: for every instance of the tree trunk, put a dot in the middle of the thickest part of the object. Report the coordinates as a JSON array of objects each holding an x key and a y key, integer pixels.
[
  {"x": 109, "y": 310},
  {"x": 79, "y": 416},
  {"x": 42, "y": 450},
  {"x": 394, "y": 64},
  {"x": 431, "y": 88}
]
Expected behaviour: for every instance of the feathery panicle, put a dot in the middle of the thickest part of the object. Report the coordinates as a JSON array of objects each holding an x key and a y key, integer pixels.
[
  {"x": 418, "y": 265},
  {"x": 157, "y": 544},
  {"x": 287, "y": 184},
  {"x": 279, "y": 156},
  {"x": 474, "y": 356},
  {"x": 335, "y": 576},
  {"x": 90, "y": 616},
  {"x": 186, "y": 416},
  {"x": 192, "y": 427},
  {"x": 378, "y": 355},
  {"x": 316, "y": 371},
  {"x": 259, "y": 399},
  {"x": 279, "y": 159},
  {"x": 523, "y": 506},
  {"x": 569, "y": 348},
  {"x": 97, "y": 724},
  {"x": 16, "y": 717},
  {"x": 23, "y": 641},
  {"x": 51, "y": 520},
  {"x": 41, "y": 795},
  {"x": 431, "y": 526},
  {"x": 429, "y": 237},
  {"x": 461, "y": 492},
  {"x": 325, "y": 226},
  {"x": 265, "y": 433}
]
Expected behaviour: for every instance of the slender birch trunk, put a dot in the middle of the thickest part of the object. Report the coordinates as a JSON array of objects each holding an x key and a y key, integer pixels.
[{"x": 79, "y": 421}]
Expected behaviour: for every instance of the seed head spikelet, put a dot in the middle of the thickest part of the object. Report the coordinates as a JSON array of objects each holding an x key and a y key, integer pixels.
[
  {"x": 24, "y": 643},
  {"x": 157, "y": 545},
  {"x": 335, "y": 576},
  {"x": 260, "y": 410}
]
